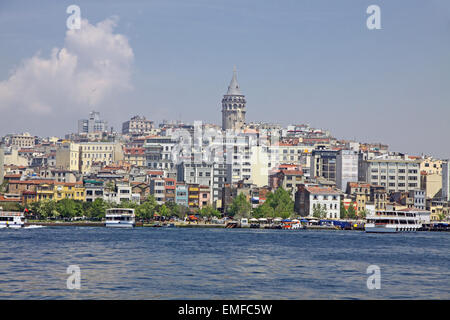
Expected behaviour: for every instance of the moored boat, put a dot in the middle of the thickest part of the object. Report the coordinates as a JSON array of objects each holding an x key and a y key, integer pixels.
[
  {"x": 10, "y": 219},
  {"x": 120, "y": 218},
  {"x": 392, "y": 221}
]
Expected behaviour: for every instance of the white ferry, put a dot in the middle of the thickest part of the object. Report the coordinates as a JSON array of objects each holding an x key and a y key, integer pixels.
[
  {"x": 11, "y": 219},
  {"x": 389, "y": 221},
  {"x": 120, "y": 218}
]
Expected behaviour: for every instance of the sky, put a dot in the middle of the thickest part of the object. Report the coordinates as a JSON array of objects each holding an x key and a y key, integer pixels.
[{"x": 298, "y": 61}]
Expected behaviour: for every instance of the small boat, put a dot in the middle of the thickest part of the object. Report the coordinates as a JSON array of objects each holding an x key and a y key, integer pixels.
[
  {"x": 9, "y": 219},
  {"x": 120, "y": 218}
]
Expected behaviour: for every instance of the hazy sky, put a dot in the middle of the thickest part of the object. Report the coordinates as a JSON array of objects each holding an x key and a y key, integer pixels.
[{"x": 298, "y": 61}]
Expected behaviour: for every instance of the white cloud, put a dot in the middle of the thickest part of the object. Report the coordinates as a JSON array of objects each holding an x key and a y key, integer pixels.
[{"x": 94, "y": 64}]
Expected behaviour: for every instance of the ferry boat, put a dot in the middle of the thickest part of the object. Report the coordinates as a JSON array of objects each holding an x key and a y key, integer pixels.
[
  {"x": 120, "y": 218},
  {"x": 391, "y": 221},
  {"x": 11, "y": 219}
]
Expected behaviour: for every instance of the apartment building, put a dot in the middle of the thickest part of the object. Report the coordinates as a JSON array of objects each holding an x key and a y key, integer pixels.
[
  {"x": 310, "y": 197},
  {"x": 137, "y": 126},
  {"x": 82, "y": 156},
  {"x": 346, "y": 168},
  {"x": 446, "y": 181},
  {"x": 393, "y": 174},
  {"x": 323, "y": 164}
]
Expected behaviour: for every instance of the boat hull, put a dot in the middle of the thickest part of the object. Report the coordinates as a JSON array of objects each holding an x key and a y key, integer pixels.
[
  {"x": 119, "y": 225},
  {"x": 388, "y": 229},
  {"x": 12, "y": 225}
]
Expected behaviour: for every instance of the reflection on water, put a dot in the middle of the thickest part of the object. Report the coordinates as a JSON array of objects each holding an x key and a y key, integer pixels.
[{"x": 157, "y": 263}]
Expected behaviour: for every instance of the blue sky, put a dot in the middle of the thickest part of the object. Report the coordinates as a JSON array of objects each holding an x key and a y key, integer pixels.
[{"x": 298, "y": 62}]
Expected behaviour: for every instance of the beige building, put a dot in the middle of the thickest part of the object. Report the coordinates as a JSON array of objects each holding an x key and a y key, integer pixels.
[
  {"x": 431, "y": 166},
  {"x": 81, "y": 156},
  {"x": 13, "y": 158},
  {"x": 137, "y": 125},
  {"x": 431, "y": 183},
  {"x": 24, "y": 140}
]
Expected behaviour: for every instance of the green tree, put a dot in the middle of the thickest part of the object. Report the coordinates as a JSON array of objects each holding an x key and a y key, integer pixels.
[
  {"x": 127, "y": 204},
  {"x": 363, "y": 214},
  {"x": 146, "y": 210},
  {"x": 319, "y": 211},
  {"x": 209, "y": 212},
  {"x": 351, "y": 212},
  {"x": 278, "y": 203},
  {"x": 442, "y": 216},
  {"x": 181, "y": 211},
  {"x": 69, "y": 208},
  {"x": 263, "y": 211},
  {"x": 97, "y": 209},
  {"x": 343, "y": 211},
  {"x": 240, "y": 208},
  {"x": 163, "y": 211}
]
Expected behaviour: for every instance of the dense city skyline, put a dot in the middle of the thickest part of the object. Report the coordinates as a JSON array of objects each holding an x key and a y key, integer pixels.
[{"x": 315, "y": 64}]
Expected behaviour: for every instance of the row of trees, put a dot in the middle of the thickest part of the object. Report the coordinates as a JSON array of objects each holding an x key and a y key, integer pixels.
[
  {"x": 69, "y": 209},
  {"x": 277, "y": 204},
  {"x": 280, "y": 204}
]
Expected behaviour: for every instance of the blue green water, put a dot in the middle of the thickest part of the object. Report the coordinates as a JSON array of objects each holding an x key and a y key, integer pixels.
[{"x": 182, "y": 263}]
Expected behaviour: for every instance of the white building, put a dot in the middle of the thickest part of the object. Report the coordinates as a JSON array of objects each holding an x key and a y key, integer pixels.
[
  {"x": 122, "y": 192},
  {"x": 445, "y": 181},
  {"x": 346, "y": 168},
  {"x": 309, "y": 198},
  {"x": 393, "y": 174}
]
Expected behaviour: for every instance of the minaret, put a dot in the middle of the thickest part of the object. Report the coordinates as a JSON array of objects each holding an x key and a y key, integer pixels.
[{"x": 233, "y": 106}]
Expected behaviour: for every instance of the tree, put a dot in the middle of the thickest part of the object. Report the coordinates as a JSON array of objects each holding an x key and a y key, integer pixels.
[
  {"x": 363, "y": 214},
  {"x": 264, "y": 211},
  {"x": 69, "y": 208},
  {"x": 351, "y": 212},
  {"x": 127, "y": 204},
  {"x": 240, "y": 208},
  {"x": 181, "y": 211},
  {"x": 145, "y": 210},
  {"x": 278, "y": 203},
  {"x": 98, "y": 209},
  {"x": 319, "y": 211},
  {"x": 209, "y": 212},
  {"x": 343, "y": 212},
  {"x": 163, "y": 211}
]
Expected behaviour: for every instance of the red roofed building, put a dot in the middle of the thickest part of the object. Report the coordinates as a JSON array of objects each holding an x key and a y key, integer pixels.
[{"x": 310, "y": 199}]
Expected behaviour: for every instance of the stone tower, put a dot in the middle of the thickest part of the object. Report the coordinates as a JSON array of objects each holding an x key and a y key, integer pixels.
[{"x": 233, "y": 106}]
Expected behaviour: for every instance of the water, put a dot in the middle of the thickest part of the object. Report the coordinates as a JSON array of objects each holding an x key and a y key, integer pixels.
[{"x": 182, "y": 263}]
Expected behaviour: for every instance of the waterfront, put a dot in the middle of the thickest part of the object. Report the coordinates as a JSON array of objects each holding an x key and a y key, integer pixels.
[{"x": 191, "y": 263}]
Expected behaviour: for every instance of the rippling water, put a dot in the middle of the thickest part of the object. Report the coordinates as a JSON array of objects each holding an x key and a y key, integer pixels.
[{"x": 182, "y": 263}]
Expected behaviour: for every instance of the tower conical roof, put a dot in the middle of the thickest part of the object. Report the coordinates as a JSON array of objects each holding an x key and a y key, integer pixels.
[{"x": 233, "y": 88}]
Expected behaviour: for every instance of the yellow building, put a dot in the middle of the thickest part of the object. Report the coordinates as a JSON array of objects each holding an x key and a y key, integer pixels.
[
  {"x": 74, "y": 191},
  {"x": 45, "y": 191},
  {"x": 57, "y": 191}
]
